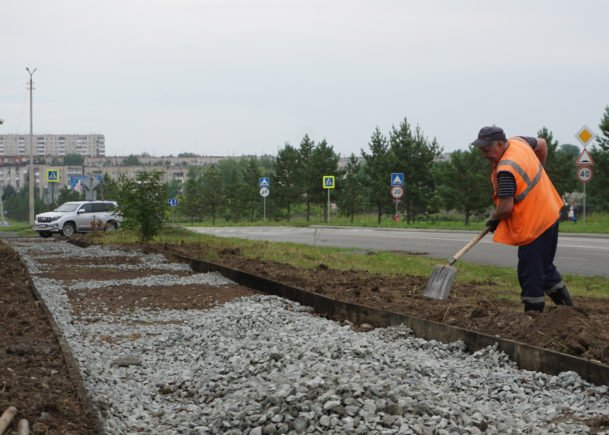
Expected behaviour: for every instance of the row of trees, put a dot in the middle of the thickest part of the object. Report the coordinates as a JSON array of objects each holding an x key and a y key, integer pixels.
[
  {"x": 229, "y": 189},
  {"x": 461, "y": 182}
]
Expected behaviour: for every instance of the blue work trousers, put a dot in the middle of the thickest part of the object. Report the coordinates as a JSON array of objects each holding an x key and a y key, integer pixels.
[{"x": 536, "y": 270}]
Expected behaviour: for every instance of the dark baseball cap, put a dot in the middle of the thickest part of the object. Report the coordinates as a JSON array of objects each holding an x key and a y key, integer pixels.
[{"x": 488, "y": 135}]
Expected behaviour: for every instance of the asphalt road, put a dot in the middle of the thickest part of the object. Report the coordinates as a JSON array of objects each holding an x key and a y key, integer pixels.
[{"x": 577, "y": 254}]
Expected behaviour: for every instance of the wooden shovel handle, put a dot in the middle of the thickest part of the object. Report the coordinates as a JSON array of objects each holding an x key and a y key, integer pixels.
[{"x": 469, "y": 246}]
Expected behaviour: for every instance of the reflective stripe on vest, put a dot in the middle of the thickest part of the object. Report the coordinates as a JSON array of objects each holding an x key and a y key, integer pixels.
[{"x": 530, "y": 184}]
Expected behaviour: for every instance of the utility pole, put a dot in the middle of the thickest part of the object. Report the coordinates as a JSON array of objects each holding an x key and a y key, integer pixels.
[{"x": 31, "y": 173}]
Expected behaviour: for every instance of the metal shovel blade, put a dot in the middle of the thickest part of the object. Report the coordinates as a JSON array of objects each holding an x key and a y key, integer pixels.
[{"x": 440, "y": 282}]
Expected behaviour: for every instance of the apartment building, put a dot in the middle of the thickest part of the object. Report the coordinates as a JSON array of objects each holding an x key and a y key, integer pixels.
[
  {"x": 89, "y": 145},
  {"x": 16, "y": 175}
]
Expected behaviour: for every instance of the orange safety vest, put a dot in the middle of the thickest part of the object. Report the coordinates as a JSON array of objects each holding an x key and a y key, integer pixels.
[{"x": 537, "y": 205}]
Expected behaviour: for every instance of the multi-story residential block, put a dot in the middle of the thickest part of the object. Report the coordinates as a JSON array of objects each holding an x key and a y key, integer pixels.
[
  {"x": 16, "y": 175},
  {"x": 89, "y": 145}
]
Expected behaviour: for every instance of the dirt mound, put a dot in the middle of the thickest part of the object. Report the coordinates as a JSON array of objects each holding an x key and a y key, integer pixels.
[{"x": 34, "y": 376}]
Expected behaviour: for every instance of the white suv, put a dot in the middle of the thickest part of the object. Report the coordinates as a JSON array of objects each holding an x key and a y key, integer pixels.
[{"x": 78, "y": 217}]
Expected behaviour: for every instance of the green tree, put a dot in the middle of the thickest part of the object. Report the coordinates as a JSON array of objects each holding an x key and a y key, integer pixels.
[
  {"x": 286, "y": 178},
  {"x": 191, "y": 204},
  {"x": 352, "y": 197},
  {"x": 108, "y": 188},
  {"x": 131, "y": 160},
  {"x": 463, "y": 182},
  {"x": 560, "y": 165},
  {"x": 231, "y": 185},
  {"x": 17, "y": 206},
  {"x": 570, "y": 149},
  {"x": 67, "y": 195},
  {"x": 16, "y": 203},
  {"x": 602, "y": 139},
  {"x": 323, "y": 161},
  {"x": 252, "y": 201},
  {"x": 414, "y": 155},
  {"x": 308, "y": 182},
  {"x": 597, "y": 189},
  {"x": 143, "y": 203},
  {"x": 377, "y": 173},
  {"x": 8, "y": 192},
  {"x": 212, "y": 193},
  {"x": 73, "y": 160}
]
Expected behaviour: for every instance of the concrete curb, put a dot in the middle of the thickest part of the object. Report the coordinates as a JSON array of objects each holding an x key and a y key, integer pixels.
[{"x": 561, "y": 234}]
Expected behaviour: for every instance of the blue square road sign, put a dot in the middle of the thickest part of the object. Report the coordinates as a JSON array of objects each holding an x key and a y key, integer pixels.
[{"x": 397, "y": 179}]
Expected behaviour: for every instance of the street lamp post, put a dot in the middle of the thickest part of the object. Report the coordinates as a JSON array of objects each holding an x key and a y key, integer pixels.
[{"x": 31, "y": 173}]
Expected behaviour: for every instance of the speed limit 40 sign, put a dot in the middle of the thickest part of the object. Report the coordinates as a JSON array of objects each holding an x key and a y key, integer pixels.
[{"x": 584, "y": 173}]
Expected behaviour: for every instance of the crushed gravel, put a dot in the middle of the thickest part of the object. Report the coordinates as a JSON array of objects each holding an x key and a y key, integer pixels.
[{"x": 263, "y": 364}]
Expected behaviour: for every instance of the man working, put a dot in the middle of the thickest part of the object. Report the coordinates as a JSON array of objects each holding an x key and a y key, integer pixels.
[{"x": 527, "y": 211}]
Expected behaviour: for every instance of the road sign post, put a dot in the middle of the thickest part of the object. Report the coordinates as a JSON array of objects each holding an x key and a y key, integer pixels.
[
  {"x": 173, "y": 203},
  {"x": 328, "y": 184},
  {"x": 584, "y": 161},
  {"x": 397, "y": 181},
  {"x": 264, "y": 183},
  {"x": 396, "y": 193},
  {"x": 264, "y": 192},
  {"x": 584, "y": 173}
]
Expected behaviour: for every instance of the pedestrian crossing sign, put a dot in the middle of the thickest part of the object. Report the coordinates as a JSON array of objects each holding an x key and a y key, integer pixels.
[
  {"x": 328, "y": 182},
  {"x": 264, "y": 182},
  {"x": 397, "y": 179},
  {"x": 52, "y": 175}
]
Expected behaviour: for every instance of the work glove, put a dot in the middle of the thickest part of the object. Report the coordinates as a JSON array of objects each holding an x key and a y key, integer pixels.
[{"x": 491, "y": 224}]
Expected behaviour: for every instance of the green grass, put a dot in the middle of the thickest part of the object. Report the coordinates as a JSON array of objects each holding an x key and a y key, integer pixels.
[
  {"x": 19, "y": 228},
  {"x": 595, "y": 223},
  {"x": 501, "y": 281}
]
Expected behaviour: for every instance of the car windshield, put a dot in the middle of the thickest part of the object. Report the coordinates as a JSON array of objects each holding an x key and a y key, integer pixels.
[{"x": 68, "y": 206}]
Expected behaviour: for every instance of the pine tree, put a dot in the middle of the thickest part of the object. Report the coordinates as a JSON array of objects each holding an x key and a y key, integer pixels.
[
  {"x": 414, "y": 155},
  {"x": 560, "y": 165},
  {"x": 602, "y": 139},
  {"x": 211, "y": 191},
  {"x": 351, "y": 197},
  {"x": 323, "y": 161},
  {"x": 286, "y": 178},
  {"x": 464, "y": 182},
  {"x": 598, "y": 186},
  {"x": 377, "y": 173},
  {"x": 305, "y": 176}
]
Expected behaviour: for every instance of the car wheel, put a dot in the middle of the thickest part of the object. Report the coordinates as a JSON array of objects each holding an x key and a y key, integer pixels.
[
  {"x": 68, "y": 229},
  {"x": 111, "y": 226},
  {"x": 45, "y": 234}
]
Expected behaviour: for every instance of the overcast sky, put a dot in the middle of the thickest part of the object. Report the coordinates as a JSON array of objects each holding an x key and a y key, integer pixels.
[{"x": 233, "y": 77}]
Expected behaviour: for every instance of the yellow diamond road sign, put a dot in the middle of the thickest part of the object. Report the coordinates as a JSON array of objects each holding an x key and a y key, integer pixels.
[{"x": 584, "y": 135}]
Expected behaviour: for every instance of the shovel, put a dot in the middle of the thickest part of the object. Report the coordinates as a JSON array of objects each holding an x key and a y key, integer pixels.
[{"x": 442, "y": 277}]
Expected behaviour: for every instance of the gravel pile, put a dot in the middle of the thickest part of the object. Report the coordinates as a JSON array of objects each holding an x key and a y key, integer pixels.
[{"x": 263, "y": 364}]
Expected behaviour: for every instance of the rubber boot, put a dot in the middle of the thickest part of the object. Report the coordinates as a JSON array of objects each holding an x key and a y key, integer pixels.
[
  {"x": 534, "y": 307},
  {"x": 562, "y": 297}
]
